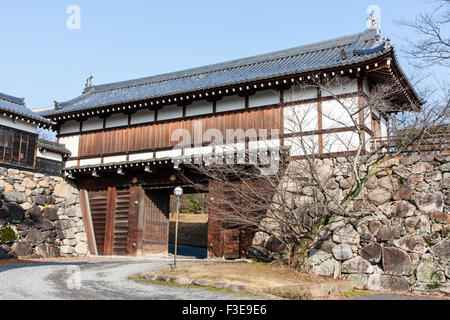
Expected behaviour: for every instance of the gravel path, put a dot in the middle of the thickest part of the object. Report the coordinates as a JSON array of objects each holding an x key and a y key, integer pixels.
[{"x": 99, "y": 280}]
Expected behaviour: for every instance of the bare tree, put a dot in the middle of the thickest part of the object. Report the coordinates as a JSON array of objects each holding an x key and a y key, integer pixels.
[
  {"x": 432, "y": 45},
  {"x": 294, "y": 202}
]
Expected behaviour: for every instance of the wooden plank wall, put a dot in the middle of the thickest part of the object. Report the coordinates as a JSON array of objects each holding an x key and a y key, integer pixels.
[
  {"x": 156, "y": 222},
  {"x": 225, "y": 240},
  {"x": 158, "y": 135},
  {"x": 98, "y": 205},
  {"x": 120, "y": 235}
]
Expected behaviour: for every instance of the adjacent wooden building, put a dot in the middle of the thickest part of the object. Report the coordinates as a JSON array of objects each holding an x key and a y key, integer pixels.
[
  {"x": 126, "y": 145},
  {"x": 20, "y": 146}
]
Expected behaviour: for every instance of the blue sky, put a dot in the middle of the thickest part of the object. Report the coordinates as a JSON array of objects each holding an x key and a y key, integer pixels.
[{"x": 42, "y": 60}]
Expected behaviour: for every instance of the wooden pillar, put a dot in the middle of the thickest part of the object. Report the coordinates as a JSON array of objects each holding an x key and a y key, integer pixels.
[
  {"x": 87, "y": 219},
  {"x": 134, "y": 239},
  {"x": 215, "y": 230},
  {"x": 320, "y": 120},
  {"x": 361, "y": 111},
  {"x": 109, "y": 225}
]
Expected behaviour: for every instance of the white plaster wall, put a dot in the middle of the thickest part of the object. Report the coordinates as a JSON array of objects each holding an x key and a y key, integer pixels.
[
  {"x": 340, "y": 142},
  {"x": 94, "y": 123},
  {"x": 141, "y": 156},
  {"x": 114, "y": 159},
  {"x": 384, "y": 127},
  {"x": 93, "y": 161},
  {"x": 143, "y": 116},
  {"x": 198, "y": 108},
  {"x": 230, "y": 103},
  {"x": 264, "y": 144},
  {"x": 117, "y": 120},
  {"x": 168, "y": 153},
  {"x": 346, "y": 86},
  {"x": 170, "y": 112},
  {"x": 230, "y": 147},
  {"x": 300, "y": 93},
  {"x": 263, "y": 98},
  {"x": 300, "y": 118},
  {"x": 70, "y": 164},
  {"x": 18, "y": 124},
  {"x": 198, "y": 151},
  {"x": 49, "y": 155},
  {"x": 70, "y": 127},
  {"x": 334, "y": 115},
  {"x": 311, "y": 144},
  {"x": 71, "y": 144}
]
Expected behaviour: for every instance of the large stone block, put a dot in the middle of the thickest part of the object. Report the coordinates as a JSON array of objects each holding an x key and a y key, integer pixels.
[
  {"x": 346, "y": 234},
  {"x": 372, "y": 253},
  {"x": 62, "y": 190},
  {"x": 357, "y": 265},
  {"x": 35, "y": 213},
  {"x": 441, "y": 217},
  {"x": 48, "y": 251},
  {"x": 16, "y": 213},
  {"x": 396, "y": 262},
  {"x": 23, "y": 249},
  {"x": 404, "y": 209},
  {"x": 18, "y": 197},
  {"x": 328, "y": 268},
  {"x": 421, "y": 167},
  {"x": 34, "y": 236},
  {"x": 428, "y": 202},
  {"x": 385, "y": 234},
  {"x": 442, "y": 249},
  {"x": 412, "y": 243},
  {"x": 379, "y": 282},
  {"x": 342, "y": 252},
  {"x": 379, "y": 196},
  {"x": 44, "y": 225},
  {"x": 429, "y": 272},
  {"x": 81, "y": 248},
  {"x": 50, "y": 213}
]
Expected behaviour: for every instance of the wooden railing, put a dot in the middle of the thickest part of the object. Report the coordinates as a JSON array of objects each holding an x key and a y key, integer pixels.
[{"x": 431, "y": 144}]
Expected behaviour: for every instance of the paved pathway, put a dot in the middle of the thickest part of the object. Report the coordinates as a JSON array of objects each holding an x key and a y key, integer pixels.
[{"x": 98, "y": 280}]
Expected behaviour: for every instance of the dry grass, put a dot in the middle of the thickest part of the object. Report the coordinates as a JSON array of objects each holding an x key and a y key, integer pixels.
[{"x": 256, "y": 276}]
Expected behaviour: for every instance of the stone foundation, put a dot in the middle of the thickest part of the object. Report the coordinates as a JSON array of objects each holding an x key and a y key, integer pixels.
[
  {"x": 401, "y": 240},
  {"x": 40, "y": 216}
]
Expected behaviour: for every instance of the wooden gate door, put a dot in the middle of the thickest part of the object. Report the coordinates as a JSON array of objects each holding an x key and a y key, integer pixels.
[
  {"x": 155, "y": 213},
  {"x": 109, "y": 213}
]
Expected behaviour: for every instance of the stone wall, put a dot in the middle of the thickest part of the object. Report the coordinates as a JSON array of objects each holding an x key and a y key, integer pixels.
[
  {"x": 401, "y": 240},
  {"x": 40, "y": 216}
]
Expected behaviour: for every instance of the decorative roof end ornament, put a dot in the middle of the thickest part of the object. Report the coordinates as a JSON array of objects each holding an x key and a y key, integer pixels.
[
  {"x": 89, "y": 82},
  {"x": 373, "y": 22},
  {"x": 56, "y": 106},
  {"x": 343, "y": 55}
]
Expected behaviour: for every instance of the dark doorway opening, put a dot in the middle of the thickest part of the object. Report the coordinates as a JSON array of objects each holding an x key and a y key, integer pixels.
[{"x": 192, "y": 225}]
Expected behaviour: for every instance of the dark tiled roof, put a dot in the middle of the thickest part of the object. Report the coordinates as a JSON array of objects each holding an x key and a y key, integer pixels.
[
  {"x": 16, "y": 106},
  {"x": 327, "y": 54},
  {"x": 52, "y": 146}
]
